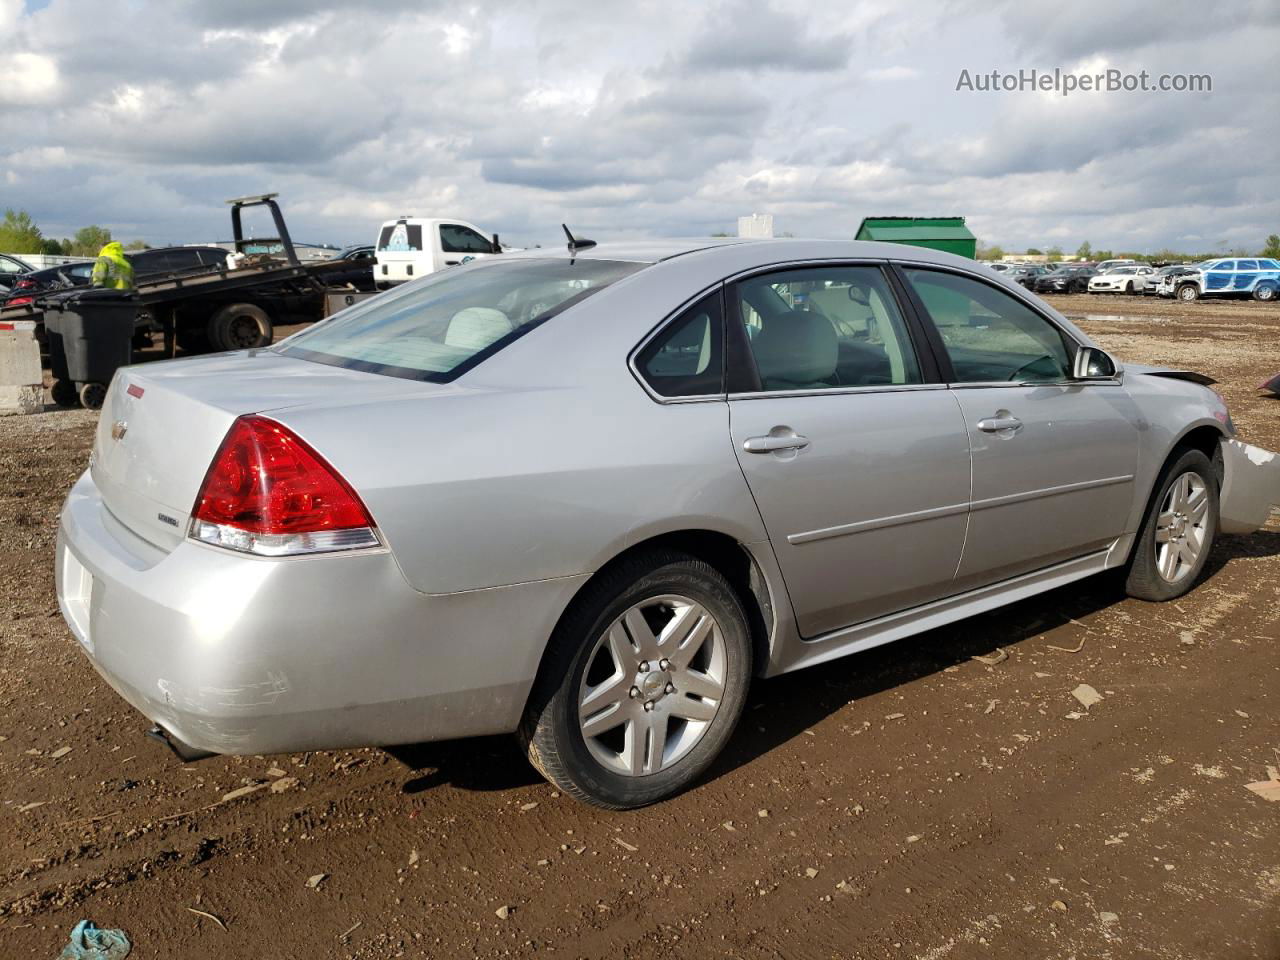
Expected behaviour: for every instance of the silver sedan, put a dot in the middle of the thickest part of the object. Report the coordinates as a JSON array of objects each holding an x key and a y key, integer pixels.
[{"x": 586, "y": 496}]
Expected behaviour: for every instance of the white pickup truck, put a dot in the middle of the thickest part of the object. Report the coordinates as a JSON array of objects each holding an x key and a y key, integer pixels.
[{"x": 410, "y": 247}]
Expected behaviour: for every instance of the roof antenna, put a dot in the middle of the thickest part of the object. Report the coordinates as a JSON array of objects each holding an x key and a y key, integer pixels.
[{"x": 576, "y": 243}]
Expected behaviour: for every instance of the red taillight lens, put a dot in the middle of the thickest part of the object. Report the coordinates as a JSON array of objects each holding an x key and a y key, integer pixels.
[
  {"x": 268, "y": 492},
  {"x": 19, "y": 301}
]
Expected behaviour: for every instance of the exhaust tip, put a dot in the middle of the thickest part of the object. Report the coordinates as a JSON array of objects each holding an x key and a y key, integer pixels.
[{"x": 183, "y": 751}]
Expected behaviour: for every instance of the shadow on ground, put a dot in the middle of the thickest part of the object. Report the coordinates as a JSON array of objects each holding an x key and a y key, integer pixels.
[{"x": 782, "y": 708}]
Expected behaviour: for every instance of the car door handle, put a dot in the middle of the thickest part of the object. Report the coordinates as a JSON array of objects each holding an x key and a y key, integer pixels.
[
  {"x": 999, "y": 424},
  {"x": 771, "y": 444}
]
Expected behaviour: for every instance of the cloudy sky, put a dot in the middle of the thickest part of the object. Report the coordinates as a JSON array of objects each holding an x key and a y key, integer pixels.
[{"x": 639, "y": 118}]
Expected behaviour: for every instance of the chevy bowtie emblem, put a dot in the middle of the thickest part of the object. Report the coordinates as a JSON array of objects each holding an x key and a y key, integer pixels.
[{"x": 119, "y": 429}]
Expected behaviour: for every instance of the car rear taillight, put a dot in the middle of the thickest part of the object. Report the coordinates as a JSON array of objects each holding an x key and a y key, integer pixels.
[
  {"x": 268, "y": 493},
  {"x": 19, "y": 301}
]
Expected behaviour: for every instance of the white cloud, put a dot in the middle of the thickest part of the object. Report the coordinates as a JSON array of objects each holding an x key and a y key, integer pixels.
[
  {"x": 635, "y": 119},
  {"x": 27, "y": 78}
]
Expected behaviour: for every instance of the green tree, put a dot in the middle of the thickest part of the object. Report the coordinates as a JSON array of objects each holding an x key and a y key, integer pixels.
[
  {"x": 1034, "y": 252},
  {"x": 51, "y": 247},
  {"x": 993, "y": 252},
  {"x": 137, "y": 245},
  {"x": 89, "y": 240},
  {"x": 19, "y": 233},
  {"x": 1054, "y": 253},
  {"x": 1272, "y": 249},
  {"x": 1085, "y": 251}
]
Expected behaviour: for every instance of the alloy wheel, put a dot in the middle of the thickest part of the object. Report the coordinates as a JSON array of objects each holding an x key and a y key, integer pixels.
[
  {"x": 1182, "y": 527},
  {"x": 652, "y": 685}
]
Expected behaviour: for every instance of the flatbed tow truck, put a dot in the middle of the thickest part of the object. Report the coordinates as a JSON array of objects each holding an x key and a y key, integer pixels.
[{"x": 227, "y": 309}]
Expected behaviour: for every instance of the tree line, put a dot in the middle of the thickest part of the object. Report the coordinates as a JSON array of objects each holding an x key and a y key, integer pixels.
[{"x": 19, "y": 234}]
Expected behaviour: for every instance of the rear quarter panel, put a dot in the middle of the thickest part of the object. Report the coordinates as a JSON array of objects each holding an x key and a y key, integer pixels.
[{"x": 548, "y": 461}]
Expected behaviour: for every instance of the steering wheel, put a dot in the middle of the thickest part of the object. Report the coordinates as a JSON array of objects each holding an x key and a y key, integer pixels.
[{"x": 1017, "y": 374}]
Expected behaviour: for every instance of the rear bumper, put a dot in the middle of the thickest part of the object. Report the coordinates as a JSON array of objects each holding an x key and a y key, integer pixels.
[
  {"x": 235, "y": 654},
  {"x": 1250, "y": 486}
]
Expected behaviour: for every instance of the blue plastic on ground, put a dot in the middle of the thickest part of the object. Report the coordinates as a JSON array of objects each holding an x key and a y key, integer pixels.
[{"x": 90, "y": 942}]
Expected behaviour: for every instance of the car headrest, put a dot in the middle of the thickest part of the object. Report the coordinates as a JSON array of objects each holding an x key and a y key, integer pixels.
[
  {"x": 796, "y": 348},
  {"x": 475, "y": 328}
]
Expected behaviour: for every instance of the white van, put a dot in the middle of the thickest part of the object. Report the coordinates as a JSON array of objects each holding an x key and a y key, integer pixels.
[{"x": 411, "y": 247}]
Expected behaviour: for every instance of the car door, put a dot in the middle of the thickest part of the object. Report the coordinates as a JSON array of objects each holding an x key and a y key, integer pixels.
[
  {"x": 1219, "y": 277},
  {"x": 855, "y": 453},
  {"x": 1053, "y": 459}
]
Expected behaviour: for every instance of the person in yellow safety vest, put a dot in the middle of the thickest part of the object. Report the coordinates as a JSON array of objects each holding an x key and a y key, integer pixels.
[{"x": 112, "y": 269}]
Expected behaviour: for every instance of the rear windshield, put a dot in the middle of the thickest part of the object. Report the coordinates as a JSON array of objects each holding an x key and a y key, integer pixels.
[{"x": 440, "y": 327}]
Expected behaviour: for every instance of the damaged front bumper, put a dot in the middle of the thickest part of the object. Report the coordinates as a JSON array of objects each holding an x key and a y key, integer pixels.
[{"x": 1250, "y": 486}]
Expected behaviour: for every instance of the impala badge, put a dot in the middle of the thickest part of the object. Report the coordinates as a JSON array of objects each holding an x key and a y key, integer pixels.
[{"x": 119, "y": 429}]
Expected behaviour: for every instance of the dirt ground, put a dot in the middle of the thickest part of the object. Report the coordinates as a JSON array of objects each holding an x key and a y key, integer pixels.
[{"x": 944, "y": 796}]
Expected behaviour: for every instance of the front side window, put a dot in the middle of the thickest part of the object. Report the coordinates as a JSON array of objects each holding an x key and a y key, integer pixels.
[
  {"x": 687, "y": 358},
  {"x": 824, "y": 328},
  {"x": 455, "y": 238},
  {"x": 989, "y": 335},
  {"x": 438, "y": 329}
]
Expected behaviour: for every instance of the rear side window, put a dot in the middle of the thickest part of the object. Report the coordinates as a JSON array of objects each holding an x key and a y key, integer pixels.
[
  {"x": 687, "y": 358},
  {"x": 444, "y": 325}
]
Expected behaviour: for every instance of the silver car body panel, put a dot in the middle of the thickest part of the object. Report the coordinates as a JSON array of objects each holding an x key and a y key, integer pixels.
[{"x": 498, "y": 496}]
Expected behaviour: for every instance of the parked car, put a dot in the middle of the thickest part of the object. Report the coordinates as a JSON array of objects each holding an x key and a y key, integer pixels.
[
  {"x": 1065, "y": 280},
  {"x": 1151, "y": 287},
  {"x": 1027, "y": 276},
  {"x": 361, "y": 260},
  {"x": 1107, "y": 265},
  {"x": 10, "y": 269},
  {"x": 177, "y": 260},
  {"x": 1258, "y": 277},
  {"x": 587, "y": 496},
  {"x": 28, "y": 285},
  {"x": 1129, "y": 279}
]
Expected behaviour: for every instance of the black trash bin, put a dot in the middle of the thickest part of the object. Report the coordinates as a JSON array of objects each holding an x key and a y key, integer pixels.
[{"x": 90, "y": 333}]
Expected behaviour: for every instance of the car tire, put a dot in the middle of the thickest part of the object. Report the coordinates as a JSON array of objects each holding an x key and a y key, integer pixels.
[
  {"x": 240, "y": 326},
  {"x": 93, "y": 395},
  {"x": 1264, "y": 292},
  {"x": 590, "y": 729},
  {"x": 1129, "y": 289},
  {"x": 1188, "y": 293},
  {"x": 64, "y": 393},
  {"x": 1178, "y": 532}
]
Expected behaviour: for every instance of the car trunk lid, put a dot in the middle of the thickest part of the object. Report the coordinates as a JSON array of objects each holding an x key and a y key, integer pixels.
[{"x": 162, "y": 423}]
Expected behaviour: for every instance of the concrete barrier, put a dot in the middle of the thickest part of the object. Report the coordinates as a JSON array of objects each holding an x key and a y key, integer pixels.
[{"x": 21, "y": 378}]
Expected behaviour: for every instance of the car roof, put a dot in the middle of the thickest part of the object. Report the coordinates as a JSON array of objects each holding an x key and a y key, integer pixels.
[{"x": 745, "y": 250}]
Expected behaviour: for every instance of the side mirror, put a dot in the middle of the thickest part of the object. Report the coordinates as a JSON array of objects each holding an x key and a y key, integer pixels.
[
  {"x": 497, "y": 247},
  {"x": 1093, "y": 364}
]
